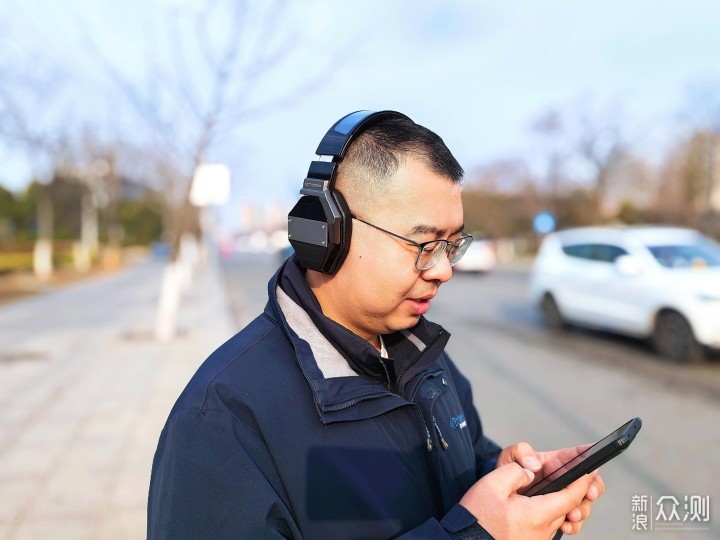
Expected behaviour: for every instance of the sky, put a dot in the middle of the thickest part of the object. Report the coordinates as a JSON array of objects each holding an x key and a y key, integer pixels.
[{"x": 476, "y": 72}]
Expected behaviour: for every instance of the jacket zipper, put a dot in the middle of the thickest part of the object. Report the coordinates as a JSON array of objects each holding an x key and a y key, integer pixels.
[
  {"x": 387, "y": 374},
  {"x": 442, "y": 440},
  {"x": 419, "y": 416},
  {"x": 345, "y": 404},
  {"x": 428, "y": 437}
]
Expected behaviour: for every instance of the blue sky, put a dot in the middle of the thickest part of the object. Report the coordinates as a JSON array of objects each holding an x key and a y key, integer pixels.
[{"x": 477, "y": 73}]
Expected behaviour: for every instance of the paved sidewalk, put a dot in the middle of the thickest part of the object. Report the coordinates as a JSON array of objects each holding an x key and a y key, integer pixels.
[{"x": 84, "y": 393}]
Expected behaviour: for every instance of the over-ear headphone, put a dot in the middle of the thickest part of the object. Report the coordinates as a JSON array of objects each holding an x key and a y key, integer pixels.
[{"x": 320, "y": 224}]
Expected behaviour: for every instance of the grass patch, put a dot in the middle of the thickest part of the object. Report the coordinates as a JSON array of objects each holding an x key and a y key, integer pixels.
[{"x": 12, "y": 261}]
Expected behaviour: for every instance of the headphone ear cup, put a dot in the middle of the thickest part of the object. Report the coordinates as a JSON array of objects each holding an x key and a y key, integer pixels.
[
  {"x": 345, "y": 233},
  {"x": 311, "y": 254}
]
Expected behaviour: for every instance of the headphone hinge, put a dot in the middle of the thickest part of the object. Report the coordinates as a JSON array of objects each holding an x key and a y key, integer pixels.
[{"x": 315, "y": 187}]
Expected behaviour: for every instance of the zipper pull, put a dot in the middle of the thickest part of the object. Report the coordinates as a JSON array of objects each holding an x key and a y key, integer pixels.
[
  {"x": 387, "y": 374},
  {"x": 442, "y": 440},
  {"x": 429, "y": 440}
]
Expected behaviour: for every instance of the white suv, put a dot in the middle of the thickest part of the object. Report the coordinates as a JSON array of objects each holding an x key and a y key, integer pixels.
[{"x": 661, "y": 283}]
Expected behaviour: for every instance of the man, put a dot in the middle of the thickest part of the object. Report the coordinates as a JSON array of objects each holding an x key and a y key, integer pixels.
[{"x": 336, "y": 413}]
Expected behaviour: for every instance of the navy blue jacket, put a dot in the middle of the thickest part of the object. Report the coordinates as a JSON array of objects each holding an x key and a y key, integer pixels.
[{"x": 296, "y": 428}]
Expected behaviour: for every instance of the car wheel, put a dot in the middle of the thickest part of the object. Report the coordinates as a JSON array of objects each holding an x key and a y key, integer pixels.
[
  {"x": 551, "y": 313},
  {"x": 673, "y": 338}
]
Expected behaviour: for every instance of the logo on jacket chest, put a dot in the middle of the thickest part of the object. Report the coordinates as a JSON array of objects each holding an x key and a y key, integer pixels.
[{"x": 458, "y": 422}]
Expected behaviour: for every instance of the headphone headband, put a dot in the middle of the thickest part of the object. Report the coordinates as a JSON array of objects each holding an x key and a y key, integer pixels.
[{"x": 338, "y": 137}]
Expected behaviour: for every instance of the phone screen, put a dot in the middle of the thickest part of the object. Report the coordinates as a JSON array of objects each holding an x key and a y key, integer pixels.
[{"x": 599, "y": 446}]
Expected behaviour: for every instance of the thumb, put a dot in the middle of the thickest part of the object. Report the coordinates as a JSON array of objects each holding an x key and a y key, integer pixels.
[{"x": 511, "y": 477}]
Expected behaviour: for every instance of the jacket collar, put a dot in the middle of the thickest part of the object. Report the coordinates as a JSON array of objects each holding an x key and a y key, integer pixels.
[{"x": 343, "y": 369}]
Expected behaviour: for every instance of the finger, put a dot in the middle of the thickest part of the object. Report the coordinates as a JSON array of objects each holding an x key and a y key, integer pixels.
[
  {"x": 571, "y": 528},
  {"x": 580, "y": 513},
  {"x": 581, "y": 448},
  {"x": 512, "y": 477},
  {"x": 557, "y": 524},
  {"x": 563, "y": 501},
  {"x": 556, "y": 458},
  {"x": 596, "y": 489},
  {"x": 573, "y": 522},
  {"x": 524, "y": 454}
]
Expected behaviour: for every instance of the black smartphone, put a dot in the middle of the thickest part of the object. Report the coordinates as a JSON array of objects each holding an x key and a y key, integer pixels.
[{"x": 585, "y": 462}]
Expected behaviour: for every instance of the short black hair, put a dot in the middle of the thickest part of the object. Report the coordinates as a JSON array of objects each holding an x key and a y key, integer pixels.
[
  {"x": 372, "y": 159},
  {"x": 380, "y": 148}
]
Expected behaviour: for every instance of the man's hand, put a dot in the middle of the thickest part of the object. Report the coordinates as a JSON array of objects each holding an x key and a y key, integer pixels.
[
  {"x": 544, "y": 463},
  {"x": 506, "y": 515}
]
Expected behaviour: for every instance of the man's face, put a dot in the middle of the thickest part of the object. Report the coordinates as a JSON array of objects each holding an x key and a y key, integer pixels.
[{"x": 378, "y": 289}]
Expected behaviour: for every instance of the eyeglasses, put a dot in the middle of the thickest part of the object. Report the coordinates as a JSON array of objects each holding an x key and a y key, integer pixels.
[{"x": 429, "y": 253}]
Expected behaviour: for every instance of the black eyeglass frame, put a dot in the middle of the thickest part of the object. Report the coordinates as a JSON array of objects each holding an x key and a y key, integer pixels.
[{"x": 421, "y": 245}]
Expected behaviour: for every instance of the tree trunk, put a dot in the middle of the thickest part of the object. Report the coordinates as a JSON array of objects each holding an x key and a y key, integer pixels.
[{"x": 43, "y": 251}]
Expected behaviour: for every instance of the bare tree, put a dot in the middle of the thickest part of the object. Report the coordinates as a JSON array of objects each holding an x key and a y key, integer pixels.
[
  {"x": 601, "y": 146},
  {"x": 581, "y": 145},
  {"x": 25, "y": 96},
  {"x": 200, "y": 85},
  {"x": 201, "y": 79},
  {"x": 554, "y": 148},
  {"x": 687, "y": 178},
  {"x": 701, "y": 115},
  {"x": 504, "y": 175},
  {"x": 549, "y": 126}
]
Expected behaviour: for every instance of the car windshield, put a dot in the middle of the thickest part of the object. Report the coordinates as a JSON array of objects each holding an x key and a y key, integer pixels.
[{"x": 702, "y": 253}]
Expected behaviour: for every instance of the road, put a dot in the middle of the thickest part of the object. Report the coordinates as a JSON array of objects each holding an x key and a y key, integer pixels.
[
  {"x": 84, "y": 394},
  {"x": 561, "y": 389}
]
